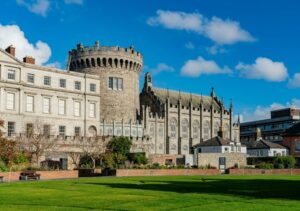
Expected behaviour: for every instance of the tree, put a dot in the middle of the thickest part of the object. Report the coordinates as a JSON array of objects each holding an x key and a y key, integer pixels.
[
  {"x": 36, "y": 140},
  {"x": 8, "y": 151}
]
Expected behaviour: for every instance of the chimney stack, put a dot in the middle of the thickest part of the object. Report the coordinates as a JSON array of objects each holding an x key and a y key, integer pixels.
[
  {"x": 258, "y": 133},
  {"x": 29, "y": 60},
  {"x": 11, "y": 50}
]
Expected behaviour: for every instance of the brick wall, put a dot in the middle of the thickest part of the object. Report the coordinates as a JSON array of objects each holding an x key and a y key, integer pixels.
[
  {"x": 165, "y": 172},
  {"x": 264, "y": 171},
  {"x": 289, "y": 142},
  {"x": 45, "y": 175},
  {"x": 161, "y": 159}
]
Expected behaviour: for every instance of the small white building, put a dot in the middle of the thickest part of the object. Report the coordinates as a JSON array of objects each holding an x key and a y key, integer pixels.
[{"x": 263, "y": 148}]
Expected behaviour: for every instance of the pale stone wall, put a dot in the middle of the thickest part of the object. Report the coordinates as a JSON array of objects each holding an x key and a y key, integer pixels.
[{"x": 212, "y": 159}]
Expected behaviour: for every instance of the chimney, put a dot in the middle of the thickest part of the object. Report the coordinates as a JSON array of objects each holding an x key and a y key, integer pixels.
[
  {"x": 258, "y": 133},
  {"x": 29, "y": 60},
  {"x": 11, "y": 50},
  {"x": 220, "y": 132}
]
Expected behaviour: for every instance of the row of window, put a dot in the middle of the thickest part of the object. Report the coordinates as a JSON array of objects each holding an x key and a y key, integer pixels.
[
  {"x": 11, "y": 129},
  {"x": 47, "y": 81},
  {"x": 46, "y": 107}
]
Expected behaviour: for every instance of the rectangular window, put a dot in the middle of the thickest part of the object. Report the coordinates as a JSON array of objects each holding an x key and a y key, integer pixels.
[
  {"x": 110, "y": 82},
  {"x": 76, "y": 108},
  {"x": 92, "y": 109},
  {"x": 62, "y": 130},
  {"x": 62, "y": 83},
  {"x": 115, "y": 83},
  {"x": 47, "y": 81},
  {"x": 46, "y": 105},
  {"x": 77, "y": 85},
  {"x": 11, "y": 74},
  {"x": 61, "y": 107},
  {"x": 46, "y": 130},
  {"x": 29, "y": 129},
  {"x": 93, "y": 87},
  {"x": 10, "y": 101},
  {"x": 10, "y": 128},
  {"x": 29, "y": 103},
  {"x": 77, "y": 131},
  {"x": 30, "y": 78}
]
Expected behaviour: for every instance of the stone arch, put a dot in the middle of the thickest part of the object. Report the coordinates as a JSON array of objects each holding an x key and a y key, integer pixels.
[
  {"x": 134, "y": 65},
  {"x": 126, "y": 64},
  {"x": 93, "y": 62},
  {"x": 82, "y": 63},
  {"x": 87, "y": 61},
  {"x": 104, "y": 62},
  {"x": 99, "y": 62},
  {"x": 110, "y": 62},
  {"x": 121, "y": 63},
  {"x": 130, "y": 65},
  {"x": 185, "y": 128},
  {"x": 116, "y": 63},
  {"x": 92, "y": 131}
]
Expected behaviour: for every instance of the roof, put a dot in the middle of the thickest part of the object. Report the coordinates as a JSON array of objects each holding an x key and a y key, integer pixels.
[
  {"x": 262, "y": 144},
  {"x": 293, "y": 130},
  {"x": 215, "y": 141},
  {"x": 185, "y": 97}
]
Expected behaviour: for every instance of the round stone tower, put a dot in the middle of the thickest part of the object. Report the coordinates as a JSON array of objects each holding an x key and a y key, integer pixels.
[{"x": 119, "y": 70}]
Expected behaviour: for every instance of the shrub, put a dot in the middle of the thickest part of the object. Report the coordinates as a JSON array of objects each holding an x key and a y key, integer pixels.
[
  {"x": 265, "y": 166},
  {"x": 21, "y": 158},
  {"x": 3, "y": 167},
  {"x": 155, "y": 166},
  {"x": 140, "y": 158},
  {"x": 284, "y": 162}
]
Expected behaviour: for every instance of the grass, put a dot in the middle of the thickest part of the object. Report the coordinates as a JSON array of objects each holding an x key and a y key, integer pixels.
[{"x": 222, "y": 192}]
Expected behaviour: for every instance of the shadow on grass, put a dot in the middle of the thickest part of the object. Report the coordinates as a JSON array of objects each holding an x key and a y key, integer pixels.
[{"x": 253, "y": 188}]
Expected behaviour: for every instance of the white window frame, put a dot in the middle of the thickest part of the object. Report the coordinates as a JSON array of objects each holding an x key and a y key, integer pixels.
[
  {"x": 29, "y": 103},
  {"x": 10, "y": 101},
  {"x": 46, "y": 106},
  {"x": 60, "y": 131},
  {"x": 77, "y": 109},
  {"x": 30, "y": 78},
  {"x": 47, "y": 78},
  {"x": 61, "y": 107},
  {"x": 11, "y": 72},
  {"x": 62, "y": 83},
  {"x": 92, "y": 87},
  {"x": 92, "y": 110},
  {"x": 77, "y": 85}
]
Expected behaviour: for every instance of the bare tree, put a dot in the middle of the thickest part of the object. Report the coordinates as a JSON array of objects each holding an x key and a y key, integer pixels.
[{"x": 37, "y": 140}]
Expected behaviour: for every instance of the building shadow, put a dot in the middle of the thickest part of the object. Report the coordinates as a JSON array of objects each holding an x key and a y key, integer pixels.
[{"x": 252, "y": 188}]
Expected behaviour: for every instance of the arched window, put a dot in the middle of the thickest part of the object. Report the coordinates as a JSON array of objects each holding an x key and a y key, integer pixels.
[
  {"x": 206, "y": 130},
  {"x": 99, "y": 62},
  {"x": 173, "y": 128},
  {"x": 216, "y": 128},
  {"x": 104, "y": 62},
  {"x": 196, "y": 129},
  {"x": 110, "y": 62},
  {"x": 152, "y": 130},
  {"x": 185, "y": 128},
  {"x": 82, "y": 63},
  {"x": 126, "y": 64},
  {"x": 93, "y": 62},
  {"x": 87, "y": 62},
  {"x": 130, "y": 65},
  {"x": 121, "y": 63},
  {"x": 134, "y": 64},
  {"x": 116, "y": 63}
]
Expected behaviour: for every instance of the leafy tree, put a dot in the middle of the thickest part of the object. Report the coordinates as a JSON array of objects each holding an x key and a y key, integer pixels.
[
  {"x": 284, "y": 162},
  {"x": 120, "y": 145},
  {"x": 140, "y": 158}
]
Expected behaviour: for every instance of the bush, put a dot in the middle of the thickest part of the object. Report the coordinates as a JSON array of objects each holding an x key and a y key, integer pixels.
[
  {"x": 140, "y": 158},
  {"x": 3, "y": 167},
  {"x": 155, "y": 166},
  {"x": 21, "y": 158},
  {"x": 284, "y": 162},
  {"x": 265, "y": 166}
]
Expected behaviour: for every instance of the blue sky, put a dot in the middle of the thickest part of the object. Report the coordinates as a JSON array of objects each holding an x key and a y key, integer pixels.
[{"x": 247, "y": 50}]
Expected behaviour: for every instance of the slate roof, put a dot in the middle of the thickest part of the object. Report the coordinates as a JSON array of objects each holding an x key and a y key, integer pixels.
[
  {"x": 185, "y": 97},
  {"x": 262, "y": 144},
  {"x": 215, "y": 141},
  {"x": 293, "y": 131}
]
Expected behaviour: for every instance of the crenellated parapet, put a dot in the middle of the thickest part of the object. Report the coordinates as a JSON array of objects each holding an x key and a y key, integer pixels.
[{"x": 102, "y": 56}]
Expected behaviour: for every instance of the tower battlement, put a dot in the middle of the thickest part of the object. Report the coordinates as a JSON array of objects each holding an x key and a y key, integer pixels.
[{"x": 102, "y": 56}]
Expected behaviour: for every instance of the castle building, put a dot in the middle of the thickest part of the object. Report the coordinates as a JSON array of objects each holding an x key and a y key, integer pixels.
[{"x": 99, "y": 96}]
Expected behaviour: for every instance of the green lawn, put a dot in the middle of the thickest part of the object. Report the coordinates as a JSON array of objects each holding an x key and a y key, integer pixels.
[{"x": 155, "y": 193}]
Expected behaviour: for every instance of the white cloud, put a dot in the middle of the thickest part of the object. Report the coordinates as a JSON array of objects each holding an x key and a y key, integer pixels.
[
  {"x": 161, "y": 67},
  {"x": 79, "y": 2},
  {"x": 200, "y": 66},
  {"x": 263, "y": 112},
  {"x": 12, "y": 35},
  {"x": 189, "y": 45},
  {"x": 295, "y": 81},
  {"x": 39, "y": 7},
  {"x": 215, "y": 49},
  {"x": 54, "y": 64},
  {"x": 218, "y": 30},
  {"x": 265, "y": 69}
]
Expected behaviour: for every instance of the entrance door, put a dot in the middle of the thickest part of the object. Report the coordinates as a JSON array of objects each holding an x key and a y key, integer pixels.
[{"x": 222, "y": 163}]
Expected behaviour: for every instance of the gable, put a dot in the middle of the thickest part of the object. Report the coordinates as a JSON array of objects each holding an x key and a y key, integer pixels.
[{"x": 6, "y": 57}]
